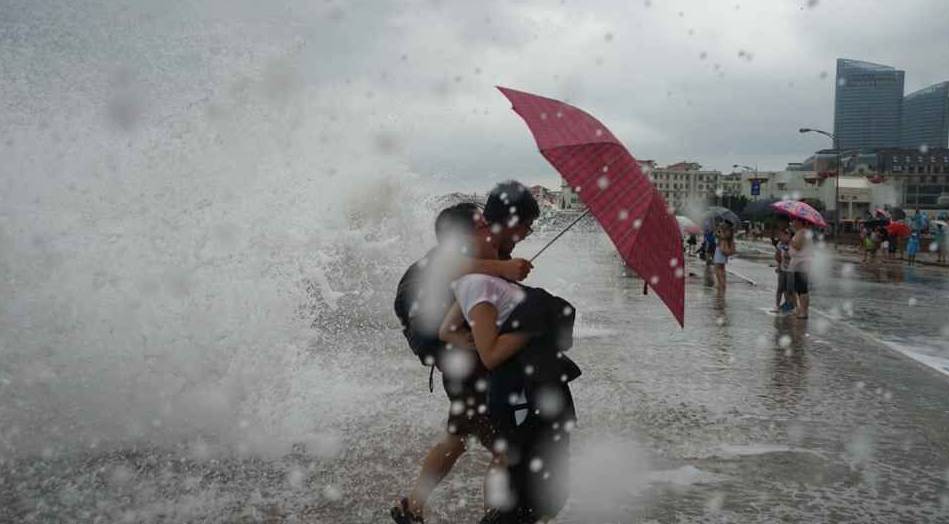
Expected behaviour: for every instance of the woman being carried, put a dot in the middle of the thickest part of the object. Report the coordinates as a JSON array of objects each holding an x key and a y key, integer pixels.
[{"x": 519, "y": 334}]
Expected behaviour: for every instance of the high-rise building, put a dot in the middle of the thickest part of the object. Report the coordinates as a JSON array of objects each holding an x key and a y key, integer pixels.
[
  {"x": 926, "y": 117},
  {"x": 867, "y": 104}
]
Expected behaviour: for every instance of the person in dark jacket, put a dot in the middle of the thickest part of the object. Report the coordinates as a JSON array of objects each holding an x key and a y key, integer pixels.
[
  {"x": 423, "y": 297},
  {"x": 520, "y": 334}
]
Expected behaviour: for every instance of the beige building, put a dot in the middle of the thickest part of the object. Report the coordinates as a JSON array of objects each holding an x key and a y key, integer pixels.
[
  {"x": 857, "y": 194},
  {"x": 686, "y": 182}
]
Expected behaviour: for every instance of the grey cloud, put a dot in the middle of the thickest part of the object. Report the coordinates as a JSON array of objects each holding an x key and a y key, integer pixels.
[{"x": 675, "y": 80}]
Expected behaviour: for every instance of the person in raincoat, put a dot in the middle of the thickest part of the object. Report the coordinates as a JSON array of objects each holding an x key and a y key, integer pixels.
[
  {"x": 939, "y": 239},
  {"x": 912, "y": 248}
]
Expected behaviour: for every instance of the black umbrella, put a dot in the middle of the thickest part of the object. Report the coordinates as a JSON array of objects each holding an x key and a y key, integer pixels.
[
  {"x": 720, "y": 214},
  {"x": 758, "y": 209}
]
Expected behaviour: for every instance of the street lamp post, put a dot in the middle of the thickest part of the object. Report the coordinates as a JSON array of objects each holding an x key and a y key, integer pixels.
[{"x": 836, "y": 144}]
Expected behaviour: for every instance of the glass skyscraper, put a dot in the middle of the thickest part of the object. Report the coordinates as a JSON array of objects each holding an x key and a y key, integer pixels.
[
  {"x": 926, "y": 117},
  {"x": 867, "y": 105}
]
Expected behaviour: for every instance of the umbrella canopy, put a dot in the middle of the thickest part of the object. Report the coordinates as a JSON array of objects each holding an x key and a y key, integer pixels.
[
  {"x": 716, "y": 214},
  {"x": 898, "y": 229},
  {"x": 881, "y": 213},
  {"x": 943, "y": 223},
  {"x": 609, "y": 181},
  {"x": 758, "y": 209},
  {"x": 687, "y": 226},
  {"x": 897, "y": 213},
  {"x": 798, "y": 209}
]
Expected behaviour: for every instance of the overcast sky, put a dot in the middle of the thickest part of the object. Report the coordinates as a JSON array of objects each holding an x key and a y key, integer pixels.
[{"x": 716, "y": 82}]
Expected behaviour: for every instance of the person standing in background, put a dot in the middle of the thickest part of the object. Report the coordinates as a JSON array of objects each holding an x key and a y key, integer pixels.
[
  {"x": 724, "y": 248},
  {"x": 912, "y": 247},
  {"x": 785, "y": 278},
  {"x": 939, "y": 238},
  {"x": 801, "y": 252}
]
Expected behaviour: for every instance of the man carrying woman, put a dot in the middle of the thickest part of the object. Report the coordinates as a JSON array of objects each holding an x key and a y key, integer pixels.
[{"x": 519, "y": 376}]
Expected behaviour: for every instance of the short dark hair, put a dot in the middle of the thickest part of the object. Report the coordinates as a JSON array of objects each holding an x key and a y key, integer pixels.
[
  {"x": 457, "y": 219},
  {"x": 509, "y": 200}
]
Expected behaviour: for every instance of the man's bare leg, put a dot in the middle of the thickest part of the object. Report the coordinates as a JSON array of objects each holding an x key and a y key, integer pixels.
[{"x": 435, "y": 466}]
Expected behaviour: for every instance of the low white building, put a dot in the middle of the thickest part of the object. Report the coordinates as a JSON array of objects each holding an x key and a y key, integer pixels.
[
  {"x": 779, "y": 184},
  {"x": 686, "y": 183}
]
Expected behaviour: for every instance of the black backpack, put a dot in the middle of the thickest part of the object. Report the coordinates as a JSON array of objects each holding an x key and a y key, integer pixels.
[{"x": 423, "y": 339}]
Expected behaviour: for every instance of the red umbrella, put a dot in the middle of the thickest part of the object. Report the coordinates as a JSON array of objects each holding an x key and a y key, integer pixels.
[
  {"x": 898, "y": 229},
  {"x": 611, "y": 184}
]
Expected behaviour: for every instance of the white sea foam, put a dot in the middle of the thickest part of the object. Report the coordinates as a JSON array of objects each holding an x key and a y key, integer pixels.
[{"x": 203, "y": 262}]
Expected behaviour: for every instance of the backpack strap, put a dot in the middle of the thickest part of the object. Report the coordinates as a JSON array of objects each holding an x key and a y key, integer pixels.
[{"x": 431, "y": 380}]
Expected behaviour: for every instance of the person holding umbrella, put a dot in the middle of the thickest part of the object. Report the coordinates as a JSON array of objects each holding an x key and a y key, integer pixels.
[
  {"x": 724, "y": 248},
  {"x": 803, "y": 218},
  {"x": 801, "y": 253},
  {"x": 896, "y": 231},
  {"x": 422, "y": 300}
]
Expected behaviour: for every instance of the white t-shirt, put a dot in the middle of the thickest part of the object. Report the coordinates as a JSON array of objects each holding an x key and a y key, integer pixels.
[{"x": 471, "y": 290}]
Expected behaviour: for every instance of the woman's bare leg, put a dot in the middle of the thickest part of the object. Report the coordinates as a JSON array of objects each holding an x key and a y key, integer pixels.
[
  {"x": 720, "y": 277},
  {"x": 804, "y": 300}
]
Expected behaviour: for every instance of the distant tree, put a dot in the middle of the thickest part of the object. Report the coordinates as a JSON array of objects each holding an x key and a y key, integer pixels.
[
  {"x": 817, "y": 204},
  {"x": 736, "y": 203}
]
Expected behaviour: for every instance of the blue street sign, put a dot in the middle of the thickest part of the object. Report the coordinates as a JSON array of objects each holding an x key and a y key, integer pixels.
[{"x": 755, "y": 187}]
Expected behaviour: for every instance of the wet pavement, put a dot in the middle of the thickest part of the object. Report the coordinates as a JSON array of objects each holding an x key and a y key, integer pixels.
[{"x": 740, "y": 417}]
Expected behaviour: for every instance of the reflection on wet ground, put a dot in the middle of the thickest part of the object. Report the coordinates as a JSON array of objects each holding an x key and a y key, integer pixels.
[{"x": 741, "y": 417}]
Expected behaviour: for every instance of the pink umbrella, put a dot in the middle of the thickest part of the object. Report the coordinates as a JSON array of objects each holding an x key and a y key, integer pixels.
[
  {"x": 609, "y": 181},
  {"x": 800, "y": 210}
]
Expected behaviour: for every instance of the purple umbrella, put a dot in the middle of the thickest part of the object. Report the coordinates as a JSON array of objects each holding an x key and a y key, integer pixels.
[{"x": 797, "y": 209}]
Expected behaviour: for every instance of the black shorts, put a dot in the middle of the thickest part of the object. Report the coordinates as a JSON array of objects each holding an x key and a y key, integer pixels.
[
  {"x": 800, "y": 282},
  {"x": 470, "y": 423},
  {"x": 468, "y": 409},
  {"x": 785, "y": 282}
]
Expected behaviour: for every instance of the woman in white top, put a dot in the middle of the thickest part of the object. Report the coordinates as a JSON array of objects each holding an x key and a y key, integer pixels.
[
  {"x": 724, "y": 248},
  {"x": 801, "y": 252},
  {"x": 485, "y": 302}
]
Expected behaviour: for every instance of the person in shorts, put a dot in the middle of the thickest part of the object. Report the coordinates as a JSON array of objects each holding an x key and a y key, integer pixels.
[
  {"x": 724, "y": 248},
  {"x": 784, "y": 297},
  {"x": 801, "y": 250},
  {"x": 463, "y": 375}
]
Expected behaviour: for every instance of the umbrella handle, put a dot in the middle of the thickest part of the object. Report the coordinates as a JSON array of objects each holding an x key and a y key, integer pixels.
[{"x": 585, "y": 213}]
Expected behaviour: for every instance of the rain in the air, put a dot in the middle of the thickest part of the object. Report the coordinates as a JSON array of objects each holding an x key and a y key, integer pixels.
[{"x": 496, "y": 262}]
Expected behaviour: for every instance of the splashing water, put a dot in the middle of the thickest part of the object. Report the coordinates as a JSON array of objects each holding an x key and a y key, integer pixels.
[{"x": 199, "y": 277}]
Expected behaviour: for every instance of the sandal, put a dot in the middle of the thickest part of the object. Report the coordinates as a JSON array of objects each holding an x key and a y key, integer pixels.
[{"x": 401, "y": 514}]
